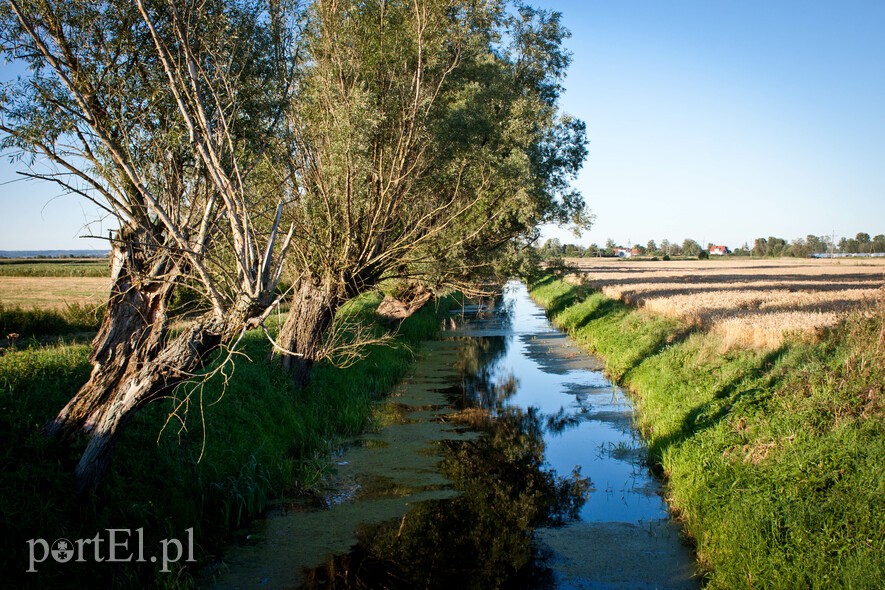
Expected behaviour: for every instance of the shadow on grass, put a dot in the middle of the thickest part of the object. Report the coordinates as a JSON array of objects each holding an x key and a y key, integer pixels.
[
  {"x": 708, "y": 414},
  {"x": 614, "y": 309}
]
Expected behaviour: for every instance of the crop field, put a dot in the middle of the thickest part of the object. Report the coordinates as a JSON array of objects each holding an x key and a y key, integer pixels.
[
  {"x": 749, "y": 302},
  {"x": 55, "y": 267},
  {"x": 53, "y": 284},
  {"x": 52, "y": 292}
]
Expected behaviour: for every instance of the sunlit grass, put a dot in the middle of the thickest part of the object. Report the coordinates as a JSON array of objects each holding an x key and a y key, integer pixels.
[
  {"x": 57, "y": 267},
  {"x": 773, "y": 458},
  {"x": 227, "y": 448}
]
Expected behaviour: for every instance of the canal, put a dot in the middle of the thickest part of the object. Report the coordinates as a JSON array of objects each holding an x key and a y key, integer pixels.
[{"x": 505, "y": 460}]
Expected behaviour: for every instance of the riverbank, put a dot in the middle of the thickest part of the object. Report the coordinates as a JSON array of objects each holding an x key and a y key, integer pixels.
[
  {"x": 207, "y": 460},
  {"x": 505, "y": 459},
  {"x": 773, "y": 458}
]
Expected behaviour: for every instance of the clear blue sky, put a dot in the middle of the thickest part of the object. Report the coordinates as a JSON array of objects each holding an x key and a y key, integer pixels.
[
  {"x": 716, "y": 120},
  {"x": 726, "y": 120}
]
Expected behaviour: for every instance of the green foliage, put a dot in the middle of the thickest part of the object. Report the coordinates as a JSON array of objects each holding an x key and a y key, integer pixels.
[
  {"x": 773, "y": 458},
  {"x": 443, "y": 146},
  {"x": 228, "y": 446},
  {"x": 31, "y": 323}
]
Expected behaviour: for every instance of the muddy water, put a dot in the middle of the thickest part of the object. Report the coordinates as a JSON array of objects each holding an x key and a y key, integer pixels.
[{"x": 506, "y": 459}]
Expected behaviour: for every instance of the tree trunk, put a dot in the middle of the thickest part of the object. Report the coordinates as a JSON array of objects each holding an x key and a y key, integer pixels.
[
  {"x": 131, "y": 334},
  {"x": 311, "y": 315},
  {"x": 149, "y": 381},
  {"x": 395, "y": 310},
  {"x": 134, "y": 362}
]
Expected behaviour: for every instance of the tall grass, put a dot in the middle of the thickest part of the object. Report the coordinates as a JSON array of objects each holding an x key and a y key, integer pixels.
[
  {"x": 773, "y": 458},
  {"x": 35, "y": 322},
  {"x": 228, "y": 446}
]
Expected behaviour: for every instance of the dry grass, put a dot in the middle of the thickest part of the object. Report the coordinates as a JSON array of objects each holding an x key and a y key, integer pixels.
[
  {"x": 52, "y": 292},
  {"x": 748, "y": 302}
]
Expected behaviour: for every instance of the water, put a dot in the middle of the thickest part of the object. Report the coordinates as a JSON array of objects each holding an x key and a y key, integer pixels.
[{"x": 507, "y": 459}]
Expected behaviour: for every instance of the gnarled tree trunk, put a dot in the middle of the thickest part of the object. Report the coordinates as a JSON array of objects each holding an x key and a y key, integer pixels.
[
  {"x": 134, "y": 361},
  {"x": 132, "y": 331},
  {"x": 310, "y": 316},
  {"x": 145, "y": 382},
  {"x": 396, "y": 309}
]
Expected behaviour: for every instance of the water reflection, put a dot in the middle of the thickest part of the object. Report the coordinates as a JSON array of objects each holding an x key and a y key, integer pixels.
[
  {"x": 481, "y": 538},
  {"x": 481, "y": 478},
  {"x": 483, "y": 383}
]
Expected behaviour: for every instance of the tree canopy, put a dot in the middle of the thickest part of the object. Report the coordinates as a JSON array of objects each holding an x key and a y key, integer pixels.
[{"x": 350, "y": 142}]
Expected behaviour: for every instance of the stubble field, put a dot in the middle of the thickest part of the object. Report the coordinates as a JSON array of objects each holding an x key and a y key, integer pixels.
[
  {"x": 749, "y": 302},
  {"x": 52, "y": 292}
]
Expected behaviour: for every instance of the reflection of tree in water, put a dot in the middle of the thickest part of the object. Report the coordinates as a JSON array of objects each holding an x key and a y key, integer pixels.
[
  {"x": 487, "y": 312},
  {"x": 481, "y": 538},
  {"x": 482, "y": 386}
]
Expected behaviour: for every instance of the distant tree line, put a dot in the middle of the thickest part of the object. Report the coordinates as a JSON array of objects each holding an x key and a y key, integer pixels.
[
  {"x": 554, "y": 248},
  {"x": 771, "y": 246}
]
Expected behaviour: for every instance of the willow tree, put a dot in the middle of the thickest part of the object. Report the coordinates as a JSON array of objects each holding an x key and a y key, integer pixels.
[
  {"x": 422, "y": 144},
  {"x": 165, "y": 115}
]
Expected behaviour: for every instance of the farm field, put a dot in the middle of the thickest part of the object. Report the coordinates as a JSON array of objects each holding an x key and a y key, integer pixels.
[
  {"x": 749, "y": 302},
  {"x": 55, "y": 267},
  {"x": 52, "y": 292},
  {"x": 53, "y": 284}
]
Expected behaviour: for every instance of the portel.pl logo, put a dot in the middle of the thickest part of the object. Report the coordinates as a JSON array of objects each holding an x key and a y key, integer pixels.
[{"x": 113, "y": 549}]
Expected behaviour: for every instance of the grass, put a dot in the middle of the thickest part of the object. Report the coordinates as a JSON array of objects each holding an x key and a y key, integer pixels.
[
  {"x": 773, "y": 458},
  {"x": 62, "y": 267},
  {"x": 242, "y": 440},
  {"x": 748, "y": 302},
  {"x": 23, "y": 324}
]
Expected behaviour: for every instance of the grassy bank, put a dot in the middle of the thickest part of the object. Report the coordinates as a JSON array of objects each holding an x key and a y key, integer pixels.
[
  {"x": 18, "y": 324},
  {"x": 245, "y": 437},
  {"x": 773, "y": 458}
]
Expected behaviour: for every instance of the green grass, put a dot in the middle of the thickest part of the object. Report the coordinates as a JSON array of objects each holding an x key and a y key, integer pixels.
[
  {"x": 62, "y": 267},
  {"x": 243, "y": 440},
  {"x": 35, "y": 323},
  {"x": 773, "y": 459}
]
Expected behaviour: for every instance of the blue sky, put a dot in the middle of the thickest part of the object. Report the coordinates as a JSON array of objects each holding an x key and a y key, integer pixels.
[
  {"x": 725, "y": 120},
  {"x": 716, "y": 120}
]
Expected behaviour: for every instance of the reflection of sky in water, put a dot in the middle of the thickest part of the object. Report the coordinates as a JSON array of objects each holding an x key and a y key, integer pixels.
[
  {"x": 554, "y": 376},
  {"x": 391, "y": 481}
]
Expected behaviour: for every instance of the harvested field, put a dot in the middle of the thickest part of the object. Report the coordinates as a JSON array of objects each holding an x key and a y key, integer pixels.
[
  {"x": 52, "y": 292},
  {"x": 748, "y": 301}
]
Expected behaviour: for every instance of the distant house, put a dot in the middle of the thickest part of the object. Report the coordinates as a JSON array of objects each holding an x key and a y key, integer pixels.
[
  {"x": 719, "y": 250},
  {"x": 623, "y": 253}
]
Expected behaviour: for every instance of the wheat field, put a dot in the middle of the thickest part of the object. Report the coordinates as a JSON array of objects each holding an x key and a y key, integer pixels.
[{"x": 749, "y": 302}]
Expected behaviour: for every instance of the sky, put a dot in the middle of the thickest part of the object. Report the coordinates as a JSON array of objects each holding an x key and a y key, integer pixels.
[
  {"x": 725, "y": 120},
  {"x": 715, "y": 120}
]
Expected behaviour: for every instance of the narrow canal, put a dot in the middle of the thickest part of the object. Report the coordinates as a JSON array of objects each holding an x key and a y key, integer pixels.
[{"x": 506, "y": 460}]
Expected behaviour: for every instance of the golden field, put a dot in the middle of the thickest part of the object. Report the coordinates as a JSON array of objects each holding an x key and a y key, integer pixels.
[
  {"x": 747, "y": 301},
  {"x": 52, "y": 292}
]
